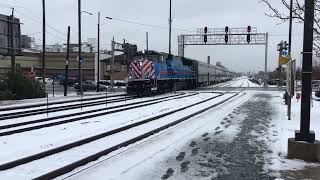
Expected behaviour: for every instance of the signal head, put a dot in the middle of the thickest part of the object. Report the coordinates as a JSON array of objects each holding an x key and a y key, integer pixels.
[{"x": 205, "y": 30}]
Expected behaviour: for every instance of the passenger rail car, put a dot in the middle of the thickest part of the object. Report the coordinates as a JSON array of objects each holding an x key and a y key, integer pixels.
[{"x": 154, "y": 72}]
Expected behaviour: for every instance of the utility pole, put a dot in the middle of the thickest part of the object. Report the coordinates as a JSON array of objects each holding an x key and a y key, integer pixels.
[
  {"x": 170, "y": 26},
  {"x": 67, "y": 64},
  {"x": 79, "y": 50},
  {"x": 289, "y": 96},
  {"x": 266, "y": 59},
  {"x": 112, "y": 65},
  {"x": 13, "y": 52},
  {"x": 98, "y": 58},
  {"x": 147, "y": 41},
  {"x": 43, "y": 42},
  {"x": 304, "y": 134}
]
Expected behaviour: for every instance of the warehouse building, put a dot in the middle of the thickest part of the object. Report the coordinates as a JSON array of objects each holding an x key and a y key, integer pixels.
[{"x": 31, "y": 61}]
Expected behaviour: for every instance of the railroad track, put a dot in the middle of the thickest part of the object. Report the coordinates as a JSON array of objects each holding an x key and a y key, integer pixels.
[
  {"x": 109, "y": 134},
  {"x": 32, "y": 112},
  {"x": 17, "y": 107},
  {"x": 6, "y": 130}
]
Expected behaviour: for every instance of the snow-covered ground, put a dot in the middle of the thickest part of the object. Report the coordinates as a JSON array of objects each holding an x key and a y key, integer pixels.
[
  {"x": 72, "y": 96},
  {"x": 76, "y": 110},
  {"x": 43, "y": 138},
  {"x": 142, "y": 160},
  {"x": 282, "y": 129},
  {"x": 254, "y": 122}
]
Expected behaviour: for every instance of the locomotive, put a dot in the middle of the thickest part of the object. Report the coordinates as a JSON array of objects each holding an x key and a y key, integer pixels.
[{"x": 151, "y": 72}]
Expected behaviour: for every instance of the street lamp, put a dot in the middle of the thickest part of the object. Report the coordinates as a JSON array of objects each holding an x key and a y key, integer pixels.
[
  {"x": 98, "y": 58},
  {"x": 87, "y": 13},
  {"x": 80, "y": 44},
  {"x": 170, "y": 23}
]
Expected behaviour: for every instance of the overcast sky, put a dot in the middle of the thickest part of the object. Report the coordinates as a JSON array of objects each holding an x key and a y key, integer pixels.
[{"x": 187, "y": 14}]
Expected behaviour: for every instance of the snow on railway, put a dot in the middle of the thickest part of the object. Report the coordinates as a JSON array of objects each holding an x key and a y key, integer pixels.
[
  {"x": 31, "y": 142},
  {"x": 56, "y": 161},
  {"x": 48, "y": 138},
  {"x": 133, "y": 161},
  {"x": 77, "y": 110}
]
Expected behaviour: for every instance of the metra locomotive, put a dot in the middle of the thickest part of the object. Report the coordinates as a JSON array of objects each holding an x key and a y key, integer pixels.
[{"x": 154, "y": 72}]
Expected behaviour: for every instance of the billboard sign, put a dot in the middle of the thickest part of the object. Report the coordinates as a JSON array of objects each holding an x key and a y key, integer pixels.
[{"x": 6, "y": 35}]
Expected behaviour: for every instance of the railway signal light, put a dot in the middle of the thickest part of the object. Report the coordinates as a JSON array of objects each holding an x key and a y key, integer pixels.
[
  {"x": 249, "y": 29},
  {"x": 205, "y": 38},
  {"x": 226, "y": 38},
  {"x": 248, "y": 35}
]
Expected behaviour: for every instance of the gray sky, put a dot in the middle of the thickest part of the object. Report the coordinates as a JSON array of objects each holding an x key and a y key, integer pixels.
[{"x": 187, "y": 14}]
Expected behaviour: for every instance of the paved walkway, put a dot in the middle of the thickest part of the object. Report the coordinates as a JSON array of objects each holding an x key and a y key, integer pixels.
[{"x": 234, "y": 150}]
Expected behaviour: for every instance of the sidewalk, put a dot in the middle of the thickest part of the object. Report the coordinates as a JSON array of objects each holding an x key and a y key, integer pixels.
[
  {"x": 245, "y": 138},
  {"x": 233, "y": 150}
]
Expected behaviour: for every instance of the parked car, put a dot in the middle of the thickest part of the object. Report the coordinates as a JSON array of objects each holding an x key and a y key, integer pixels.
[
  {"x": 315, "y": 83},
  {"x": 317, "y": 93},
  {"x": 273, "y": 82},
  {"x": 70, "y": 82},
  {"x": 47, "y": 80},
  {"x": 120, "y": 84},
  {"x": 89, "y": 85},
  {"x": 104, "y": 82}
]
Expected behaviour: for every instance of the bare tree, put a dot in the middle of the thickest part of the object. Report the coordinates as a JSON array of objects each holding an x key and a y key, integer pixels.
[
  {"x": 298, "y": 16},
  {"x": 316, "y": 64}
]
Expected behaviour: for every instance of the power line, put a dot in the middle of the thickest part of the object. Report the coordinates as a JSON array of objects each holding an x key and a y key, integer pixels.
[
  {"x": 37, "y": 21},
  {"x": 33, "y": 33},
  {"x": 147, "y": 25},
  {"x": 31, "y": 17}
]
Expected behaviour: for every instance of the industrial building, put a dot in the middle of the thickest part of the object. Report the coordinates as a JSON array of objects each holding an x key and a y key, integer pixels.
[{"x": 31, "y": 61}]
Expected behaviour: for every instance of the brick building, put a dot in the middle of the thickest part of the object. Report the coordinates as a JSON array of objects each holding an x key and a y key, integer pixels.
[{"x": 55, "y": 64}]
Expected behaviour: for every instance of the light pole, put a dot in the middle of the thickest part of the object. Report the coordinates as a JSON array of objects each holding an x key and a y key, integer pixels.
[
  {"x": 43, "y": 41},
  {"x": 170, "y": 23},
  {"x": 305, "y": 134},
  {"x": 98, "y": 58},
  {"x": 79, "y": 50},
  {"x": 289, "y": 96},
  {"x": 80, "y": 44}
]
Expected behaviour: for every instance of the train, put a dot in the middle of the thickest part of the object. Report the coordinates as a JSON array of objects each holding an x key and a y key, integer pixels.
[{"x": 156, "y": 72}]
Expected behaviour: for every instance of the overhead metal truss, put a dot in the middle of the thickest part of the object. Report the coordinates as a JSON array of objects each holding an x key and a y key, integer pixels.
[
  {"x": 219, "y": 39},
  {"x": 216, "y": 36},
  {"x": 230, "y": 30}
]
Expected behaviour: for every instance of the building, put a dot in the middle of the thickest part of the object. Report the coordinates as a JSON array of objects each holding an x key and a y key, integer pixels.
[
  {"x": 103, "y": 55},
  {"x": 31, "y": 60},
  {"x": 120, "y": 68},
  {"x": 87, "y": 47},
  {"x": 26, "y": 42},
  {"x": 50, "y": 48},
  {"x": 121, "y": 63}
]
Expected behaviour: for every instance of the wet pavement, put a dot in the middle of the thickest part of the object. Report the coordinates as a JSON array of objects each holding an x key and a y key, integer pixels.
[
  {"x": 307, "y": 173},
  {"x": 234, "y": 150}
]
